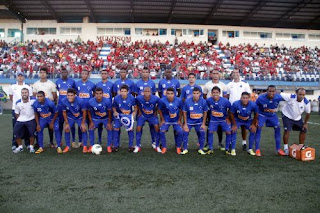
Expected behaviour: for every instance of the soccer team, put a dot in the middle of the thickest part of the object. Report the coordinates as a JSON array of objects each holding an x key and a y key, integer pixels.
[{"x": 106, "y": 105}]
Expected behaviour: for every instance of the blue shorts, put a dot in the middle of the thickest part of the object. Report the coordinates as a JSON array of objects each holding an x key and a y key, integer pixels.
[
  {"x": 46, "y": 122},
  {"x": 97, "y": 123},
  {"x": 214, "y": 125},
  {"x": 165, "y": 127},
  {"x": 197, "y": 127},
  {"x": 247, "y": 124},
  {"x": 270, "y": 121},
  {"x": 74, "y": 121},
  {"x": 117, "y": 123},
  {"x": 60, "y": 112},
  {"x": 152, "y": 120},
  {"x": 290, "y": 125}
]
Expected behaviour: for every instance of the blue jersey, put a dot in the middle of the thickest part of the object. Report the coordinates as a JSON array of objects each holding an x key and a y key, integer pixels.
[
  {"x": 187, "y": 91},
  {"x": 124, "y": 106},
  {"x": 107, "y": 88},
  {"x": 99, "y": 110},
  {"x": 85, "y": 90},
  {"x": 218, "y": 109},
  {"x": 243, "y": 113},
  {"x": 148, "y": 108},
  {"x": 74, "y": 109},
  {"x": 117, "y": 85},
  {"x": 45, "y": 110},
  {"x": 171, "y": 110},
  {"x": 164, "y": 84},
  {"x": 141, "y": 84},
  {"x": 195, "y": 110},
  {"x": 266, "y": 106},
  {"x": 63, "y": 86}
]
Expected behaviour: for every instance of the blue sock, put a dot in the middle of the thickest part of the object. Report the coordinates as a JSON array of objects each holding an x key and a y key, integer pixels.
[
  {"x": 163, "y": 139},
  {"x": 179, "y": 138},
  {"x": 138, "y": 138},
  {"x": 153, "y": 133},
  {"x": 109, "y": 137},
  {"x": 73, "y": 133},
  {"x": 116, "y": 138},
  {"x": 210, "y": 140},
  {"x": 228, "y": 140},
  {"x": 131, "y": 138},
  {"x": 157, "y": 137},
  {"x": 251, "y": 139},
  {"x": 185, "y": 140},
  {"x": 258, "y": 137},
  {"x": 40, "y": 138},
  {"x": 80, "y": 135},
  {"x": 84, "y": 138},
  {"x": 233, "y": 140},
  {"x": 67, "y": 138},
  {"x": 277, "y": 136},
  {"x": 91, "y": 136},
  {"x": 202, "y": 136},
  {"x": 100, "y": 129},
  {"x": 57, "y": 135}
]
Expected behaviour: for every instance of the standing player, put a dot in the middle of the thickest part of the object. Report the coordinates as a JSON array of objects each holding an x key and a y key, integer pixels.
[
  {"x": 122, "y": 107},
  {"x": 74, "y": 112},
  {"x": 49, "y": 89},
  {"x": 147, "y": 111},
  {"x": 123, "y": 81},
  {"x": 207, "y": 89},
  {"x": 294, "y": 107},
  {"x": 139, "y": 87},
  {"x": 107, "y": 87},
  {"x": 194, "y": 116},
  {"x": 99, "y": 112},
  {"x": 235, "y": 89},
  {"x": 241, "y": 115},
  {"x": 267, "y": 108},
  {"x": 25, "y": 120},
  {"x": 63, "y": 84},
  {"x": 170, "y": 111},
  {"x": 168, "y": 82},
  {"x": 219, "y": 117},
  {"x": 15, "y": 95},
  {"x": 85, "y": 90},
  {"x": 187, "y": 90},
  {"x": 46, "y": 114}
]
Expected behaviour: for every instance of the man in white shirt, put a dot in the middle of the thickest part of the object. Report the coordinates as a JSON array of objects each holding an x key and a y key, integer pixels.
[
  {"x": 25, "y": 120},
  {"x": 50, "y": 90},
  {"x": 15, "y": 95},
  {"x": 215, "y": 76},
  {"x": 234, "y": 89},
  {"x": 295, "y": 106}
]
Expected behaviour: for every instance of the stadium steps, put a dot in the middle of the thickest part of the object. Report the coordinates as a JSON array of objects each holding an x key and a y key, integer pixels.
[
  {"x": 226, "y": 61},
  {"x": 104, "y": 52}
]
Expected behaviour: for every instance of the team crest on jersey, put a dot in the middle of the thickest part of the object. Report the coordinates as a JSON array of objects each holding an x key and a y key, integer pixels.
[
  {"x": 163, "y": 86},
  {"x": 39, "y": 109},
  {"x": 188, "y": 91},
  {"x": 191, "y": 108}
]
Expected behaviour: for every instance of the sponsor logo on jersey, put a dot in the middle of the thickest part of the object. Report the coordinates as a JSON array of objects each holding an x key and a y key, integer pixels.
[
  {"x": 106, "y": 95},
  {"x": 76, "y": 114},
  {"x": 62, "y": 92},
  {"x": 173, "y": 115},
  {"x": 195, "y": 115},
  {"x": 147, "y": 112},
  {"x": 101, "y": 114},
  {"x": 217, "y": 114},
  {"x": 84, "y": 95},
  {"x": 45, "y": 115},
  {"x": 126, "y": 112},
  {"x": 243, "y": 118}
]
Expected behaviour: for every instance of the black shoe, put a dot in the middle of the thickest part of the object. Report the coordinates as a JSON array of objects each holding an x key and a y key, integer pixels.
[
  {"x": 115, "y": 149},
  {"x": 244, "y": 147},
  {"x": 131, "y": 149}
]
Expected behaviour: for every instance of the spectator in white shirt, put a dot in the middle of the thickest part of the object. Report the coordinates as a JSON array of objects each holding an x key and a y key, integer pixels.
[
  {"x": 15, "y": 95},
  {"x": 215, "y": 76},
  {"x": 295, "y": 106},
  {"x": 50, "y": 90},
  {"x": 25, "y": 121},
  {"x": 234, "y": 89}
]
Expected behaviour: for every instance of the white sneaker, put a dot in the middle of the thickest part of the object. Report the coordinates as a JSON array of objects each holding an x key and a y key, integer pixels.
[
  {"x": 158, "y": 149},
  {"x": 32, "y": 150},
  {"x": 17, "y": 150},
  {"x": 136, "y": 149},
  {"x": 13, "y": 148},
  {"x": 286, "y": 151},
  {"x": 153, "y": 145}
]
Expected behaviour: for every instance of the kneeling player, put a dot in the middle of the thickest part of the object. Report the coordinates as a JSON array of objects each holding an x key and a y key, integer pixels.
[
  {"x": 122, "y": 108},
  {"x": 219, "y": 117},
  {"x": 99, "y": 112},
  {"x": 240, "y": 114},
  {"x": 46, "y": 114},
  {"x": 147, "y": 111},
  {"x": 194, "y": 116},
  {"x": 74, "y": 112},
  {"x": 170, "y": 110}
]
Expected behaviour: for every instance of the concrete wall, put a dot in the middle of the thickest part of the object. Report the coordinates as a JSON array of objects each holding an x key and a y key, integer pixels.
[{"x": 89, "y": 32}]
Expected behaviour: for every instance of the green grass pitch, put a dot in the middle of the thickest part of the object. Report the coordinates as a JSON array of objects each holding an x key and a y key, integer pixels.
[{"x": 152, "y": 182}]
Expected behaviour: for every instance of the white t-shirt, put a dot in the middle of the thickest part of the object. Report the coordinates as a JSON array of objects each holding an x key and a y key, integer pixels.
[
  {"x": 47, "y": 87},
  {"x": 294, "y": 109},
  {"x": 15, "y": 91},
  {"x": 235, "y": 89},
  {"x": 25, "y": 110},
  {"x": 209, "y": 85}
]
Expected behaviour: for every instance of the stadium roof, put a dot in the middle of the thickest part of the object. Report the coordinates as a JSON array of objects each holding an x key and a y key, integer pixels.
[{"x": 303, "y": 14}]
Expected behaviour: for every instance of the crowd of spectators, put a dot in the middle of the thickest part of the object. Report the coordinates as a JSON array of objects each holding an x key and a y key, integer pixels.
[{"x": 255, "y": 62}]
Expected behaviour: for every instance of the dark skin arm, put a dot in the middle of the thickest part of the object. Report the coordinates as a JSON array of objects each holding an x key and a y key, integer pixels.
[
  {"x": 161, "y": 117},
  {"x": 253, "y": 126},
  {"x": 84, "y": 120},
  {"x": 233, "y": 121},
  {"x": 91, "y": 124},
  {"x": 109, "y": 126},
  {"x": 36, "y": 115},
  {"x": 306, "y": 119},
  {"x": 53, "y": 120}
]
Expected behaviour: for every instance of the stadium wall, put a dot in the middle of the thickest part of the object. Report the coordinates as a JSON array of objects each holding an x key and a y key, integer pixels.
[{"x": 89, "y": 31}]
